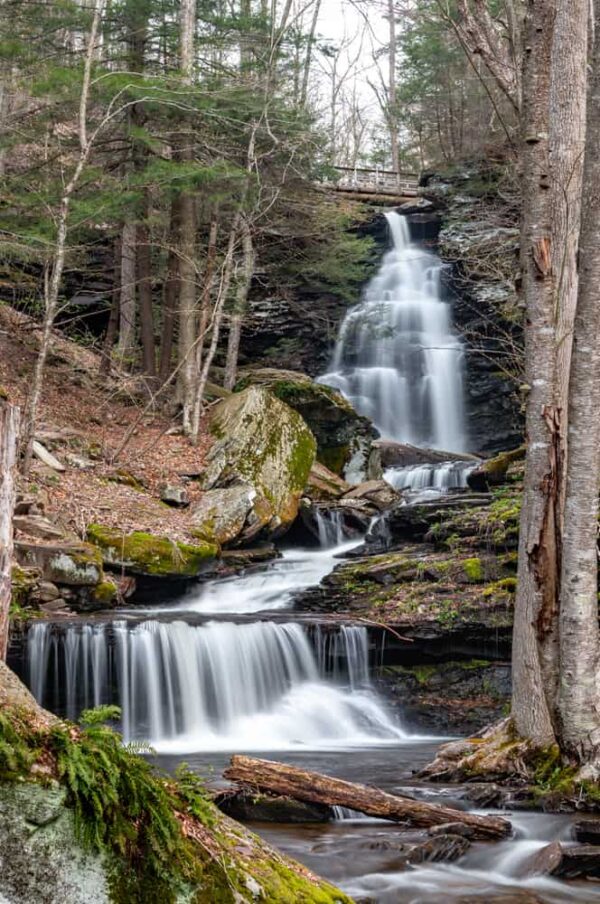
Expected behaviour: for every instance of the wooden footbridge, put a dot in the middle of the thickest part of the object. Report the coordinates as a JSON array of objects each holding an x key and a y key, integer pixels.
[{"x": 379, "y": 185}]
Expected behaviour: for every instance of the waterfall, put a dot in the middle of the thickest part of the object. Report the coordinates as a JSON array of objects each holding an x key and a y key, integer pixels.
[
  {"x": 330, "y": 527},
  {"x": 447, "y": 476},
  {"x": 396, "y": 359},
  {"x": 217, "y": 686}
]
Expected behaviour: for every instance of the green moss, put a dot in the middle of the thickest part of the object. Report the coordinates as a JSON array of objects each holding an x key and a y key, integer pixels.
[
  {"x": 473, "y": 569},
  {"x": 334, "y": 457},
  {"x": 498, "y": 466},
  {"x": 144, "y": 553},
  {"x": 105, "y": 592},
  {"x": 21, "y": 582},
  {"x": 500, "y": 588}
]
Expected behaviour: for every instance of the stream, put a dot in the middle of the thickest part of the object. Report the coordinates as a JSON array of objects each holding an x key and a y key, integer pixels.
[{"x": 229, "y": 667}]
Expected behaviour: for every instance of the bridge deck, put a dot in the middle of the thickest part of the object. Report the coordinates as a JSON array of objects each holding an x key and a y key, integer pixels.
[{"x": 375, "y": 182}]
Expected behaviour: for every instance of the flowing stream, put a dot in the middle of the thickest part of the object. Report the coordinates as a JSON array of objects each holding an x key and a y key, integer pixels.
[{"x": 228, "y": 668}]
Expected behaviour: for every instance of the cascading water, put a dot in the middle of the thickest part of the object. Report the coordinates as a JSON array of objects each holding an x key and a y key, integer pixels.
[
  {"x": 398, "y": 361},
  {"x": 218, "y": 686},
  {"x": 449, "y": 475}
]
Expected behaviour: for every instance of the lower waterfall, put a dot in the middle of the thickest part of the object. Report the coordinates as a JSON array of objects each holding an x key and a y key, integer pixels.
[{"x": 217, "y": 686}]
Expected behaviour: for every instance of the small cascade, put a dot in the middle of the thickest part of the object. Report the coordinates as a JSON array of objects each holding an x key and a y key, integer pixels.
[
  {"x": 397, "y": 359},
  {"x": 449, "y": 475},
  {"x": 218, "y": 686},
  {"x": 330, "y": 527}
]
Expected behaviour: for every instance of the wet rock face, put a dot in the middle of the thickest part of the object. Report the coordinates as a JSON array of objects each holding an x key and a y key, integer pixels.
[{"x": 256, "y": 807}]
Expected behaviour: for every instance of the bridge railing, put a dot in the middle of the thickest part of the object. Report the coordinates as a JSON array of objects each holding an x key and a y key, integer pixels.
[{"x": 376, "y": 181}]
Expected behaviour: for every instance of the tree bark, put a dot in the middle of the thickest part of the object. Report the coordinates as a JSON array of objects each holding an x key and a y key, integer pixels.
[
  {"x": 9, "y": 432},
  {"x": 392, "y": 100},
  {"x": 567, "y": 105},
  {"x": 127, "y": 304},
  {"x": 170, "y": 293},
  {"x": 113, "y": 319},
  {"x": 144, "y": 281},
  {"x": 207, "y": 287},
  {"x": 313, "y": 787},
  {"x": 537, "y": 587},
  {"x": 240, "y": 305},
  {"x": 579, "y": 697}
]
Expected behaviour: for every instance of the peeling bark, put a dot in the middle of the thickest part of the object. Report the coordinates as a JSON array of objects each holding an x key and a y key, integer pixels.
[{"x": 9, "y": 431}]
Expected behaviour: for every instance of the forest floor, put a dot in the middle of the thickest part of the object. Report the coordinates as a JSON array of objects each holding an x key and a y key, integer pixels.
[{"x": 83, "y": 420}]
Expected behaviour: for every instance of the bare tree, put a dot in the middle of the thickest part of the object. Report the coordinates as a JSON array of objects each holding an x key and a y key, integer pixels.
[
  {"x": 578, "y": 691},
  {"x": 9, "y": 432}
]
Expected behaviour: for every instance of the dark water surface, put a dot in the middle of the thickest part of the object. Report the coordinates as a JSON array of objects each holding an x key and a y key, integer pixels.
[{"x": 361, "y": 855}]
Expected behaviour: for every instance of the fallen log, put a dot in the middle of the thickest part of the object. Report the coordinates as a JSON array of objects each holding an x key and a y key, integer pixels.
[{"x": 313, "y": 787}]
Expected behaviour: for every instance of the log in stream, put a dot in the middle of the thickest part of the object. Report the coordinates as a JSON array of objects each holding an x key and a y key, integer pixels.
[{"x": 313, "y": 787}]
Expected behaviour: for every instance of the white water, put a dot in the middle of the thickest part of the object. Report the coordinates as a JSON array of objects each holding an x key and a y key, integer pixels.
[
  {"x": 217, "y": 686},
  {"x": 272, "y": 588},
  {"x": 449, "y": 475},
  {"x": 396, "y": 359}
]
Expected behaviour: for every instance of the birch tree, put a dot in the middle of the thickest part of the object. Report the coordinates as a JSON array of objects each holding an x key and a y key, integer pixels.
[{"x": 9, "y": 433}]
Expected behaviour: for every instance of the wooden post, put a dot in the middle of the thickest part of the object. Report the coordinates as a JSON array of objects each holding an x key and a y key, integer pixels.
[{"x": 9, "y": 431}]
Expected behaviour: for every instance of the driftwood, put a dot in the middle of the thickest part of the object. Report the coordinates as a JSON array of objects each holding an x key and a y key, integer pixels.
[{"x": 313, "y": 787}]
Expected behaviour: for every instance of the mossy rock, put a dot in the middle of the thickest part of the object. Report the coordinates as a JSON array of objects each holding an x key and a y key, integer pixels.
[
  {"x": 22, "y": 582},
  {"x": 336, "y": 426},
  {"x": 493, "y": 472},
  {"x": 72, "y": 565},
  {"x": 262, "y": 444},
  {"x": 145, "y": 554},
  {"x": 99, "y": 824}
]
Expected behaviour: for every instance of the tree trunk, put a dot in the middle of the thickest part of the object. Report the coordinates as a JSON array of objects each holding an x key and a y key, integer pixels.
[
  {"x": 207, "y": 287},
  {"x": 170, "y": 293},
  {"x": 113, "y": 319},
  {"x": 313, "y": 787},
  {"x": 240, "y": 305},
  {"x": 567, "y": 103},
  {"x": 187, "y": 235},
  {"x": 9, "y": 431},
  {"x": 579, "y": 697},
  {"x": 215, "y": 327},
  {"x": 537, "y": 586},
  {"x": 392, "y": 100},
  {"x": 127, "y": 302},
  {"x": 144, "y": 281}
]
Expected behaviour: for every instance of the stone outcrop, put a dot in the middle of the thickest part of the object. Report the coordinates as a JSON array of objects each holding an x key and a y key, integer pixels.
[
  {"x": 340, "y": 432},
  {"x": 263, "y": 449},
  {"x": 144, "y": 554}
]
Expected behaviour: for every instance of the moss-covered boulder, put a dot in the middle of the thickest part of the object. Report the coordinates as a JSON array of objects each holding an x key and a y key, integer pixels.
[
  {"x": 145, "y": 554},
  {"x": 84, "y": 820},
  {"x": 68, "y": 564},
  {"x": 229, "y": 516},
  {"x": 340, "y": 432},
  {"x": 263, "y": 446}
]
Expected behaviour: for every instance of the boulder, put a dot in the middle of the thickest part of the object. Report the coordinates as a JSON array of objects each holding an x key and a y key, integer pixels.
[
  {"x": 264, "y": 446},
  {"x": 71, "y": 564},
  {"x": 323, "y": 485},
  {"x": 177, "y": 497},
  {"x": 390, "y": 454},
  {"x": 587, "y": 831},
  {"x": 145, "y": 554},
  {"x": 564, "y": 862},
  {"x": 227, "y": 515},
  {"x": 378, "y": 494},
  {"x": 340, "y": 432},
  {"x": 37, "y": 526},
  {"x": 246, "y": 806}
]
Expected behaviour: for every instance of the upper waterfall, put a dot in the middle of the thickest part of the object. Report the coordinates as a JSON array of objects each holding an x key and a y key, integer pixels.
[{"x": 397, "y": 359}]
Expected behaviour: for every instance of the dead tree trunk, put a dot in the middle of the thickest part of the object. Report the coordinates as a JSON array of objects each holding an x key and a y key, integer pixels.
[
  {"x": 170, "y": 294},
  {"x": 113, "y": 319},
  {"x": 313, "y": 787},
  {"x": 578, "y": 695},
  {"x": 144, "y": 280},
  {"x": 9, "y": 431}
]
